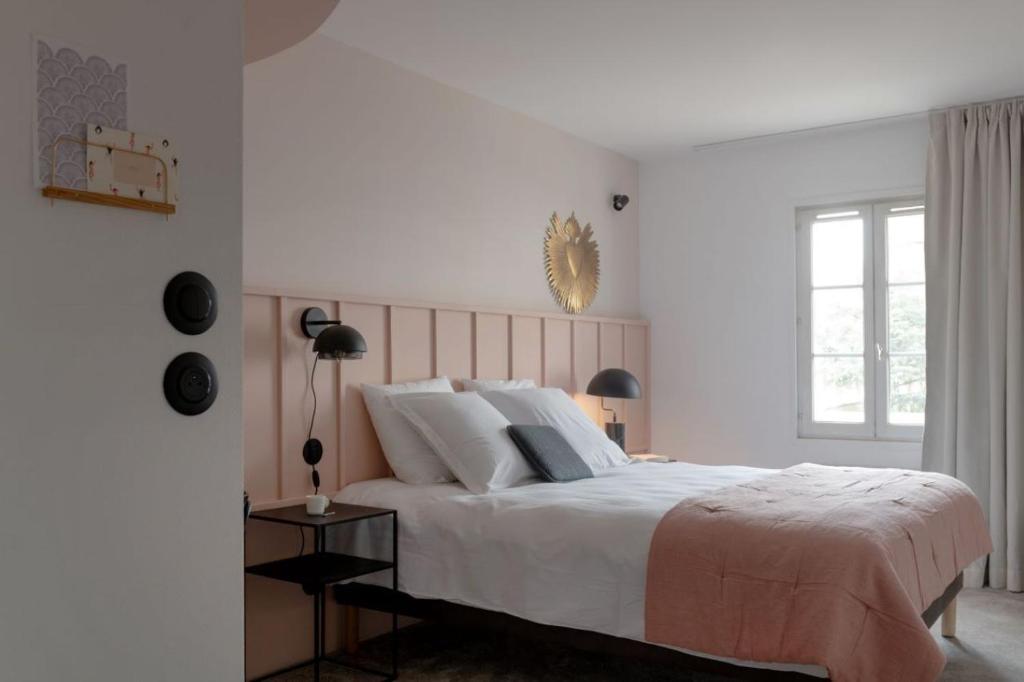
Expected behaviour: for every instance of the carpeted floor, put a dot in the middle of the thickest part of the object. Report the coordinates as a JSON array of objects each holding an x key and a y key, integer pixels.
[{"x": 989, "y": 647}]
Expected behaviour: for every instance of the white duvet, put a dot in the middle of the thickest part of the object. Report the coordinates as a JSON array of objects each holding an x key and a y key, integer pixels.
[{"x": 570, "y": 554}]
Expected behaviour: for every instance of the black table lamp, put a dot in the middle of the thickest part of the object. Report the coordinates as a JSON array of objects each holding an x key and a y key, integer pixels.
[
  {"x": 332, "y": 341},
  {"x": 614, "y": 383}
]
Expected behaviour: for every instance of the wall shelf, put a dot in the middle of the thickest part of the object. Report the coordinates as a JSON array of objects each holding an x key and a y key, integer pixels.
[{"x": 54, "y": 192}]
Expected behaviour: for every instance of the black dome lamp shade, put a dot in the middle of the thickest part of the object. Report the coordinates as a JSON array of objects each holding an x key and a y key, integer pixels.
[
  {"x": 339, "y": 342},
  {"x": 614, "y": 383},
  {"x": 332, "y": 340}
]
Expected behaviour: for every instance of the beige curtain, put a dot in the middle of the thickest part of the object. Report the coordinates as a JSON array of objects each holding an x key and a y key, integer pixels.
[{"x": 974, "y": 257}]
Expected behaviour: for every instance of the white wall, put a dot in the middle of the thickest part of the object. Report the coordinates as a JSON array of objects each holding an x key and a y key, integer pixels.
[
  {"x": 364, "y": 178},
  {"x": 120, "y": 527},
  {"x": 718, "y": 281}
]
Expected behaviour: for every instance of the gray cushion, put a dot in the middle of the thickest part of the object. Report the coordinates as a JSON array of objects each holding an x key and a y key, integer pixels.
[{"x": 549, "y": 453}]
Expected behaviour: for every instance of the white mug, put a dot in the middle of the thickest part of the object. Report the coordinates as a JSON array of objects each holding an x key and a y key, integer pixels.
[{"x": 316, "y": 505}]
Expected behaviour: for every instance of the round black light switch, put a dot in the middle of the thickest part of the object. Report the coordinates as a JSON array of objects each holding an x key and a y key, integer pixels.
[
  {"x": 190, "y": 303},
  {"x": 194, "y": 303},
  {"x": 190, "y": 383}
]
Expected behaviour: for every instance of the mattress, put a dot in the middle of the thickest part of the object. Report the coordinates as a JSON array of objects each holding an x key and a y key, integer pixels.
[{"x": 569, "y": 554}]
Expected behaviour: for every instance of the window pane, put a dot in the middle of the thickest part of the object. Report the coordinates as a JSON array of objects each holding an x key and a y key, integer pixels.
[
  {"x": 837, "y": 253},
  {"x": 906, "y": 319},
  {"x": 906, "y": 248},
  {"x": 838, "y": 319},
  {"x": 838, "y": 390},
  {"x": 906, "y": 389}
]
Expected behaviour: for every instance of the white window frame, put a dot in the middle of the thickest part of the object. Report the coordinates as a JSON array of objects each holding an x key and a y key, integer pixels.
[{"x": 876, "y": 424}]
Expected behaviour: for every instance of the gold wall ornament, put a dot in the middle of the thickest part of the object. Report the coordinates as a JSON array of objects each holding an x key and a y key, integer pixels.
[{"x": 572, "y": 263}]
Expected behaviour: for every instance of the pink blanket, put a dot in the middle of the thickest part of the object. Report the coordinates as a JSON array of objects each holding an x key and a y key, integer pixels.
[{"x": 822, "y": 565}]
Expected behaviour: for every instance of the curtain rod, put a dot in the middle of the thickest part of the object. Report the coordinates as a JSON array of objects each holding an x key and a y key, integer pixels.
[
  {"x": 846, "y": 124},
  {"x": 811, "y": 130}
]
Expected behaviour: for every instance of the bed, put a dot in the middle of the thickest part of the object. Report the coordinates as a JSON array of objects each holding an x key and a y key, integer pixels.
[
  {"x": 502, "y": 557},
  {"x": 559, "y": 555}
]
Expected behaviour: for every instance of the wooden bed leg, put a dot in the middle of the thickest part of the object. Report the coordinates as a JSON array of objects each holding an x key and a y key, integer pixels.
[
  {"x": 949, "y": 620},
  {"x": 351, "y": 640}
]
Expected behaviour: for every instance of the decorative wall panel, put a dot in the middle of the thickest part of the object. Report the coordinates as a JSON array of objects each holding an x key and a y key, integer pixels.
[{"x": 406, "y": 341}]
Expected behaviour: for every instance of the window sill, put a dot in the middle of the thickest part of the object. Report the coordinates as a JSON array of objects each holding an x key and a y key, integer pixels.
[{"x": 862, "y": 439}]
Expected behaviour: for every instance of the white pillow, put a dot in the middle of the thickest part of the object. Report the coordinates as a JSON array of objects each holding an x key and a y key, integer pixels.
[
  {"x": 481, "y": 385},
  {"x": 411, "y": 458},
  {"x": 553, "y": 407},
  {"x": 470, "y": 435}
]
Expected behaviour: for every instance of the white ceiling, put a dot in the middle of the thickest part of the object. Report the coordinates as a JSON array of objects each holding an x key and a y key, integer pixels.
[{"x": 649, "y": 77}]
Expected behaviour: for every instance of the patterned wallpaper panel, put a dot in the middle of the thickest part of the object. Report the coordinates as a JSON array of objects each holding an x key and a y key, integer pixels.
[{"x": 72, "y": 92}]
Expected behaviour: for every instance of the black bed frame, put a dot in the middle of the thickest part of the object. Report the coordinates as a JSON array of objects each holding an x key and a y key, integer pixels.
[{"x": 439, "y": 611}]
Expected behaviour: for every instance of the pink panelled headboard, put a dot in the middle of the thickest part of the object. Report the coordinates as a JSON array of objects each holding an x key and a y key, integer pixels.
[{"x": 406, "y": 341}]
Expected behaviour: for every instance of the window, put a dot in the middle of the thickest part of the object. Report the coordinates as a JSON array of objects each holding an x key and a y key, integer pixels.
[{"x": 861, "y": 320}]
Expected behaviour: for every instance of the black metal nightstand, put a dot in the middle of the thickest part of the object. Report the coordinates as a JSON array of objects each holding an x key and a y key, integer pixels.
[{"x": 316, "y": 571}]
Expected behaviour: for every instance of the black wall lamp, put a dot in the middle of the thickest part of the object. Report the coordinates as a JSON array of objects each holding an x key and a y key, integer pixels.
[
  {"x": 619, "y": 201},
  {"x": 332, "y": 340},
  {"x": 614, "y": 383}
]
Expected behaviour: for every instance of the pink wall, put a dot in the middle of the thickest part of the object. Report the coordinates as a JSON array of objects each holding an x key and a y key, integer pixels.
[
  {"x": 405, "y": 341},
  {"x": 364, "y": 178}
]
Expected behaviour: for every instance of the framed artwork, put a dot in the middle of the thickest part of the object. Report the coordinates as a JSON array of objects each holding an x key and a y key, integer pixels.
[{"x": 129, "y": 164}]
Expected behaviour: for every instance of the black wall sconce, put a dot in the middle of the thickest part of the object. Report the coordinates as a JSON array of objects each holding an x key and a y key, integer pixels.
[
  {"x": 332, "y": 340},
  {"x": 619, "y": 201},
  {"x": 614, "y": 383}
]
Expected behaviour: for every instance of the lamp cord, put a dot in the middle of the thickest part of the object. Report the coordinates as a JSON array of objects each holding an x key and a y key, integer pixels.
[
  {"x": 312, "y": 419},
  {"x": 312, "y": 387}
]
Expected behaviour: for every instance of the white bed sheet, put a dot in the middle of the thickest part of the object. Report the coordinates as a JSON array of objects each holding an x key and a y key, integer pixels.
[{"x": 570, "y": 554}]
